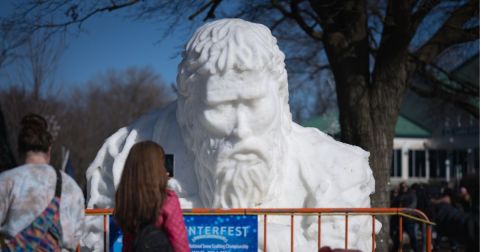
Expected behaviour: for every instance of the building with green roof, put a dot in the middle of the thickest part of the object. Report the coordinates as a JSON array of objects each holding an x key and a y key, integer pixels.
[
  {"x": 409, "y": 136},
  {"x": 330, "y": 125},
  {"x": 434, "y": 139}
]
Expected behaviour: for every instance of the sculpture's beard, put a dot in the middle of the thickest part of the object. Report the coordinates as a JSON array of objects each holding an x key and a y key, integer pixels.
[{"x": 240, "y": 174}]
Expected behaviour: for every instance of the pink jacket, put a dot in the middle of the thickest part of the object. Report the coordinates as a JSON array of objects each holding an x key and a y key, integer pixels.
[{"x": 171, "y": 220}]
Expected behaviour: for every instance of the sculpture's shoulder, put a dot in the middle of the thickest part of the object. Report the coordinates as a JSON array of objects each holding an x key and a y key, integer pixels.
[
  {"x": 121, "y": 141},
  {"x": 148, "y": 123},
  {"x": 144, "y": 127},
  {"x": 319, "y": 142},
  {"x": 325, "y": 155}
]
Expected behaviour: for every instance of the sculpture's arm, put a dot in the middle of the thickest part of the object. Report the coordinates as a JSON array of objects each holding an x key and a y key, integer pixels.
[
  {"x": 104, "y": 173},
  {"x": 101, "y": 188},
  {"x": 100, "y": 173}
]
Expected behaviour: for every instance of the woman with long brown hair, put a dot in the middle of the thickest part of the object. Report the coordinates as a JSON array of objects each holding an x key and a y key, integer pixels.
[{"x": 142, "y": 198}]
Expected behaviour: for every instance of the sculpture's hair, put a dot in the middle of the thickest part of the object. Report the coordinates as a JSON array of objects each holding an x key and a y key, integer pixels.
[
  {"x": 34, "y": 135},
  {"x": 230, "y": 45},
  {"x": 142, "y": 188}
]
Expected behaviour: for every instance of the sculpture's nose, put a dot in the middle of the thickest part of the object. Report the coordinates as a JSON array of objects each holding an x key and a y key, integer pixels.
[{"x": 242, "y": 128}]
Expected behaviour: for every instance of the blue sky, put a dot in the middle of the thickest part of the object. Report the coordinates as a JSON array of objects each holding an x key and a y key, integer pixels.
[
  {"x": 110, "y": 41},
  {"x": 113, "y": 42}
]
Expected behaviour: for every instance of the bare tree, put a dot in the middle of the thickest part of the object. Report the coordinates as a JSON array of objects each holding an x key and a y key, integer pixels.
[
  {"x": 41, "y": 55},
  {"x": 9, "y": 42},
  {"x": 32, "y": 87},
  {"x": 109, "y": 101}
]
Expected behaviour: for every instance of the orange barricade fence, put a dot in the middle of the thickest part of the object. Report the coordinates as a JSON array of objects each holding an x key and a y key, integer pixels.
[{"x": 412, "y": 214}]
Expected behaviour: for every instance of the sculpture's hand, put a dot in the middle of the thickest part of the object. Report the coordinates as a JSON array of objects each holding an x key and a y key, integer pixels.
[{"x": 93, "y": 240}]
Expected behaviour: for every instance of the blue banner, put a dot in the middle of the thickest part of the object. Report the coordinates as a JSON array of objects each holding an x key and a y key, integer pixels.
[
  {"x": 209, "y": 233},
  {"x": 114, "y": 236},
  {"x": 222, "y": 233}
]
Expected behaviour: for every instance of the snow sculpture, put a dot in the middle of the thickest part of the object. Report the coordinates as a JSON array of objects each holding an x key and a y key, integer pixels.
[{"x": 235, "y": 144}]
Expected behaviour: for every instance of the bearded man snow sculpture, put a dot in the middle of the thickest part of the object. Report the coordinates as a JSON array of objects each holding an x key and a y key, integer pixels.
[{"x": 235, "y": 144}]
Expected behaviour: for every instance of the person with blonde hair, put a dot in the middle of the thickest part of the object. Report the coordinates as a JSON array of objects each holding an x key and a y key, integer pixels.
[{"x": 142, "y": 199}]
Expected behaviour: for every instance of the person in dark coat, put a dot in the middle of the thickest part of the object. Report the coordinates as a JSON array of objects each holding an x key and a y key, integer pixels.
[{"x": 455, "y": 224}]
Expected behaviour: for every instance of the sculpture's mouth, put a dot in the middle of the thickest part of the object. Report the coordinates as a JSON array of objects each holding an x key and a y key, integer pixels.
[
  {"x": 248, "y": 156},
  {"x": 245, "y": 156}
]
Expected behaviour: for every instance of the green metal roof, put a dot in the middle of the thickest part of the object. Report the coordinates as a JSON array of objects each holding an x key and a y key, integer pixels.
[
  {"x": 408, "y": 128},
  {"x": 404, "y": 127}
]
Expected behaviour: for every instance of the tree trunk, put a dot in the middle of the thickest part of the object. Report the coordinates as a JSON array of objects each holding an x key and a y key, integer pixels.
[
  {"x": 368, "y": 107},
  {"x": 368, "y": 115}
]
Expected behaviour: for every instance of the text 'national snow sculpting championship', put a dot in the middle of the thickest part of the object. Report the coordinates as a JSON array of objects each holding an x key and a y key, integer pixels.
[{"x": 236, "y": 146}]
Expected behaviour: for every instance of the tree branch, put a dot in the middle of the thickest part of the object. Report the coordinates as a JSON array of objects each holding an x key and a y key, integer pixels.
[
  {"x": 457, "y": 85},
  {"x": 200, "y": 10},
  {"x": 471, "y": 33},
  {"x": 211, "y": 12},
  {"x": 427, "y": 70},
  {"x": 439, "y": 92},
  {"x": 277, "y": 23},
  {"x": 460, "y": 93},
  {"x": 75, "y": 20},
  {"x": 375, "y": 11},
  {"x": 296, "y": 16},
  {"x": 422, "y": 12},
  {"x": 312, "y": 16},
  {"x": 213, "y": 4},
  {"x": 397, "y": 31},
  {"x": 451, "y": 32}
]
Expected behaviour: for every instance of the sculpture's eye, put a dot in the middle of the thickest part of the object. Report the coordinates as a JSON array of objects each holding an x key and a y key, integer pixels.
[
  {"x": 218, "y": 119},
  {"x": 219, "y": 112},
  {"x": 261, "y": 112},
  {"x": 261, "y": 104}
]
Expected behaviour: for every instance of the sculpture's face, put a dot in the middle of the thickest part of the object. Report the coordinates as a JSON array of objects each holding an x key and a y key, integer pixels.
[
  {"x": 239, "y": 106},
  {"x": 238, "y": 138},
  {"x": 233, "y": 111}
]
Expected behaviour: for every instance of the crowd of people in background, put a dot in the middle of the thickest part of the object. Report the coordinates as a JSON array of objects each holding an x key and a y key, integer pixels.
[{"x": 453, "y": 207}]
